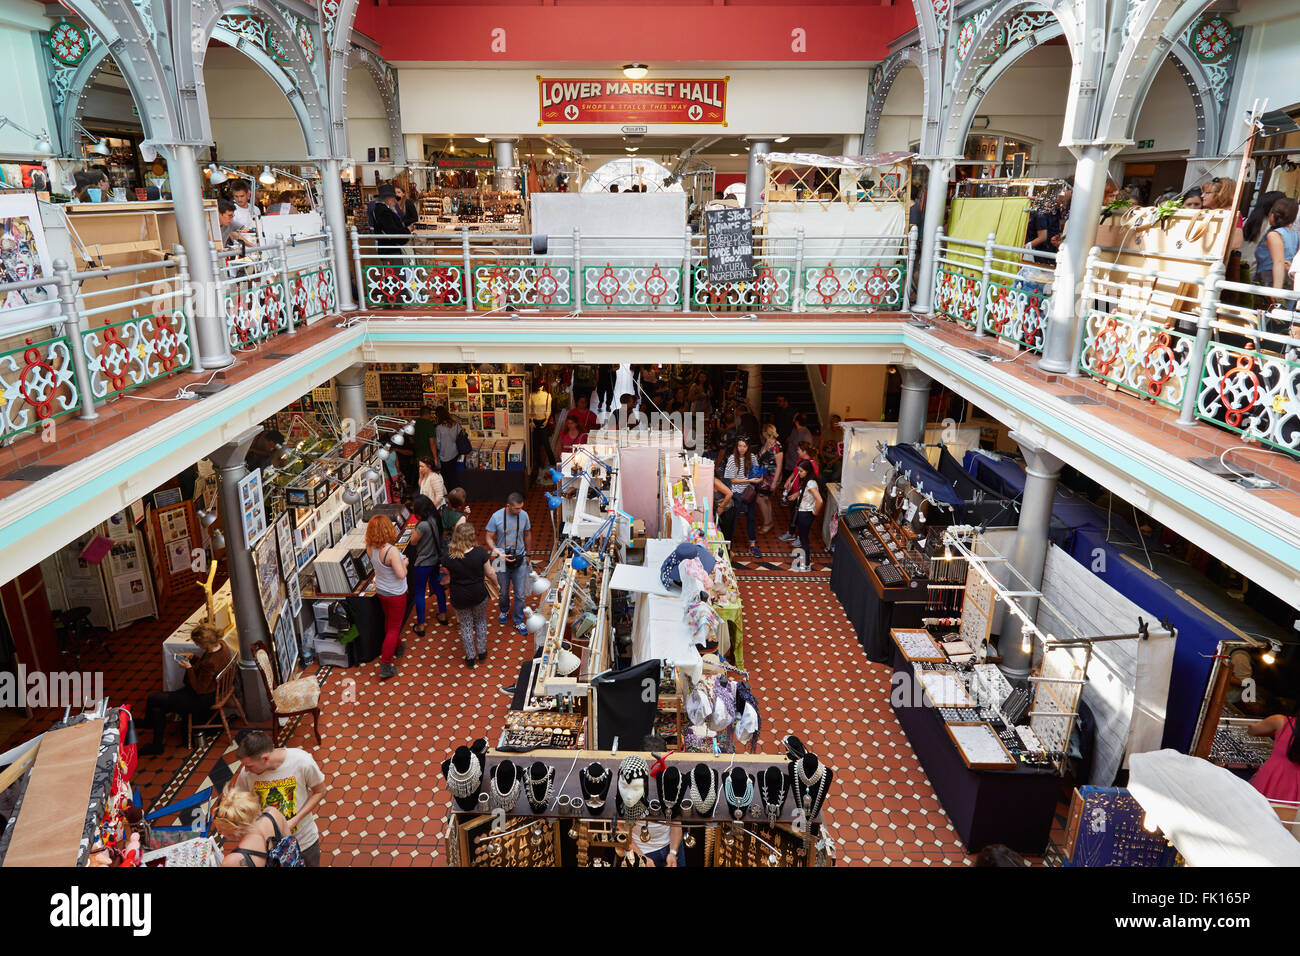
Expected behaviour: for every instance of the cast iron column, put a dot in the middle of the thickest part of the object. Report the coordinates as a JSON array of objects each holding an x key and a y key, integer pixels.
[
  {"x": 936, "y": 205},
  {"x": 350, "y": 386},
  {"x": 250, "y": 618},
  {"x": 336, "y": 216},
  {"x": 213, "y": 347},
  {"x": 914, "y": 406},
  {"x": 756, "y": 174},
  {"x": 1085, "y": 211},
  {"x": 1029, "y": 554}
]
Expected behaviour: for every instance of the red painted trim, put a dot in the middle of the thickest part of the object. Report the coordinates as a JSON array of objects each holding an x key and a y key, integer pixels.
[{"x": 655, "y": 34}]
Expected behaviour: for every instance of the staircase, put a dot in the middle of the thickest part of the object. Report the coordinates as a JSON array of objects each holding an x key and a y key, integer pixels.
[{"x": 792, "y": 382}]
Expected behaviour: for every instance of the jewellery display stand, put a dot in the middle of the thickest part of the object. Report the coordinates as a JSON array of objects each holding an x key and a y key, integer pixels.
[{"x": 570, "y": 830}]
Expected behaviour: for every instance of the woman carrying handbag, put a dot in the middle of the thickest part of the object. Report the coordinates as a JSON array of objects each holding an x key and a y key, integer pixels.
[
  {"x": 769, "y": 458},
  {"x": 743, "y": 474}
]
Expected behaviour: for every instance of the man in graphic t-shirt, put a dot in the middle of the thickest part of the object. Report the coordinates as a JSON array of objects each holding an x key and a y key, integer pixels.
[{"x": 288, "y": 779}]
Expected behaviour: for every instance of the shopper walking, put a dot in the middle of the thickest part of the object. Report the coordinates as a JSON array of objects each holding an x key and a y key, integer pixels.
[
  {"x": 390, "y": 587},
  {"x": 770, "y": 457},
  {"x": 430, "y": 481},
  {"x": 808, "y": 504},
  {"x": 510, "y": 538},
  {"x": 426, "y": 539},
  {"x": 793, "y": 484},
  {"x": 446, "y": 433},
  {"x": 742, "y": 475},
  {"x": 465, "y": 571},
  {"x": 197, "y": 695},
  {"x": 605, "y": 388},
  {"x": 288, "y": 779}
]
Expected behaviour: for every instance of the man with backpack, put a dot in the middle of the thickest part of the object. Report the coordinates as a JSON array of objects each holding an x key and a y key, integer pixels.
[{"x": 288, "y": 779}]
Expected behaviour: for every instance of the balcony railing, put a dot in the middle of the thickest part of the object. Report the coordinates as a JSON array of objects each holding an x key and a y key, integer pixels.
[
  {"x": 994, "y": 289},
  {"x": 110, "y": 331},
  {"x": 588, "y": 273}
]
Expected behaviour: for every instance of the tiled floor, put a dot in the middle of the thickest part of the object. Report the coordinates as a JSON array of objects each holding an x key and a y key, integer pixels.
[{"x": 383, "y": 743}]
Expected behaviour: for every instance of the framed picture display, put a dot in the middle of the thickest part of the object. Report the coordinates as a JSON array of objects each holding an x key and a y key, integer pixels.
[
  {"x": 252, "y": 506},
  {"x": 284, "y": 541},
  {"x": 286, "y": 645}
]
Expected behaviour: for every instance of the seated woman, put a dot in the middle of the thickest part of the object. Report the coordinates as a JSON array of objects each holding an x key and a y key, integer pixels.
[
  {"x": 241, "y": 820},
  {"x": 197, "y": 695},
  {"x": 571, "y": 435}
]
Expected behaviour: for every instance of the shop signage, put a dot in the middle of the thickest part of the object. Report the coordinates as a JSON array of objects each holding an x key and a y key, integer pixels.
[
  {"x": 465, "y": 162},
  {"x": 1146, "y": 144},
  {"x": 730, "y": 235},
  {"x": 702, "y": 101}
]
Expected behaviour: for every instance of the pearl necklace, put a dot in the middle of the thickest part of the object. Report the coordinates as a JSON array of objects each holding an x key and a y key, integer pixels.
[
  {"x": 703, "y": 802},
  {"x": 740, "y": 803},
  {"x": 503, "y": 801},
  {"x": 539, "y": 804},
  {"x": 464, "y": 784}
]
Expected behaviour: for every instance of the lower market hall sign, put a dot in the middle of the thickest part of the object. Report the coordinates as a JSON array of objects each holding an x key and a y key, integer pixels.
[{"x": 571, "y": 100}]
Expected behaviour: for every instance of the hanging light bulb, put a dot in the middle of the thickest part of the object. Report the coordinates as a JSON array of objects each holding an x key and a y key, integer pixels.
[
  {"x": 1270, "y": 656},
  {"x": 1026, "y": 642},
  {"x": 266, "y": 177}
]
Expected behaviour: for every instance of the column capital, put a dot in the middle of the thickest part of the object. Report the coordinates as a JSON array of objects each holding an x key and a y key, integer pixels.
[
  {"x": 913, "y": 378},
  {"x": 232, "y": 453},
  {"x": 1039, "y": 462}
]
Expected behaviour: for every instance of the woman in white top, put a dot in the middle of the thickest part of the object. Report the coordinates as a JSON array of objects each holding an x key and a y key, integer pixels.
[
  {"x": 431, "y": 484},
  {"x": 809, "y": 503}
]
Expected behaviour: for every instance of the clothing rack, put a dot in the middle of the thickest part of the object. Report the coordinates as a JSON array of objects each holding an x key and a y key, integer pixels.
[{"x": 1003, "y": 188}]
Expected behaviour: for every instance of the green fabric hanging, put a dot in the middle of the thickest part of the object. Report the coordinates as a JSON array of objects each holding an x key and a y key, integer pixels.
[{"x": 973, "y": 219}]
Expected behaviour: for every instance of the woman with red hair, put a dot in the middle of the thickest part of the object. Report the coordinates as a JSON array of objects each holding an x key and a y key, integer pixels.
[{"x": 390, "y": 586}]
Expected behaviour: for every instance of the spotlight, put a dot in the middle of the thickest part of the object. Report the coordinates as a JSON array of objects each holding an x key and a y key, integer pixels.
[
  {"x": 351, "y": 495},
  {"x": 555, "y": 475},
  {"x": 148, "y": 152},
  {"x": 1270, "y": 655},
  {"x": 215, "y": 175},
  {"x": 371, "y": 475},
  {"x": 43, "y": 145},
  {"x": 101, "y": 148},
  {"x": 397, "y": 438},
  {"x": 482, "y": 139},
  {"x": 540, "y": 585},
  {"x": 218, "y": 542},
  {"x": 207, "y": 518},
  {"x": 553, "y": 500},
  {"x": 266, "y": 177},
  {"x": 635, "y": 71},
  {"x": 280, "y": 456},
  {"x": 535, "y": 623},
  {"x": 408, "y": 428},
  {"x": 781, "y": 139},
  {"x": 384, "y": 453},
  {"x": 580, "y": 562}
]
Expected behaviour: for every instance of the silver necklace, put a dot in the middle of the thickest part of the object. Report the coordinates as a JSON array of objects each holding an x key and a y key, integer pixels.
[
  {"x": 464, "y": 784},
  {"x": 503, "y": 801},
  {"x": 773, "y": 807},
  {"x": 594, "y": 788},
  {"x": 809, "y": 791},
  {"x": 673, "y": 801},
  {"x": 703, "y": 802},
  {"x": 539, "y": 804},
  {"x": 739, "y": 803}
]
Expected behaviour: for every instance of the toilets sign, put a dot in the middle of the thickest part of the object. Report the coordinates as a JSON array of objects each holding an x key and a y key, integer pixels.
[{"x": 694, "y": 101}]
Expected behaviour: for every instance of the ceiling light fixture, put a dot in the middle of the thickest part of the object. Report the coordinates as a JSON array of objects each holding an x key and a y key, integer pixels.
[
  {"x": 482, "y": 139},
  {"x": 781, "y": 139},
  {"x": 635, "y": 71},
  {"x": 631, "y": 149}
]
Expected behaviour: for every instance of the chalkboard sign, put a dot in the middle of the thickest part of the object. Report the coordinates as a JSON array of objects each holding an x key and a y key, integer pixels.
[
  {"x": 731, "y": 245},
  {"x": 401, "y": 389}
]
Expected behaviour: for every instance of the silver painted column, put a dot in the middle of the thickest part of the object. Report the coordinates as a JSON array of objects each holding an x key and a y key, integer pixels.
[
  {"x": 337, "y": 218},
  {"x": 350, "y": 388},
  {"x": 754, "y": 395},
  {"x": 1029, "y": 554},
  {"x": 250, "y": 618},
  {"x": 503, "y": 150},
  {"x": 1080, "y": 236},
  {"x": 914, "y": 406},
  {"x": 756, "y": 174},
  {"x": 192, "y": 226},
  {"x": 936, "y": 205}
]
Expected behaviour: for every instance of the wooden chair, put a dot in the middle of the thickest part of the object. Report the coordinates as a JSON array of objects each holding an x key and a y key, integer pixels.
[
  {"x": 224, "y": 697},
  {"x": 290, "y": 698}
]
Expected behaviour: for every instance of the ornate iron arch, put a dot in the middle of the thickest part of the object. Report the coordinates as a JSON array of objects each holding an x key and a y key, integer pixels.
[
  {"x": 1151, "y": 30},
  {"x": 385, "y": 78},
  {"x": 287, "y": 48},
  {"x": 933, "y": 19},
  {"x": 882, "y": 82}
]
